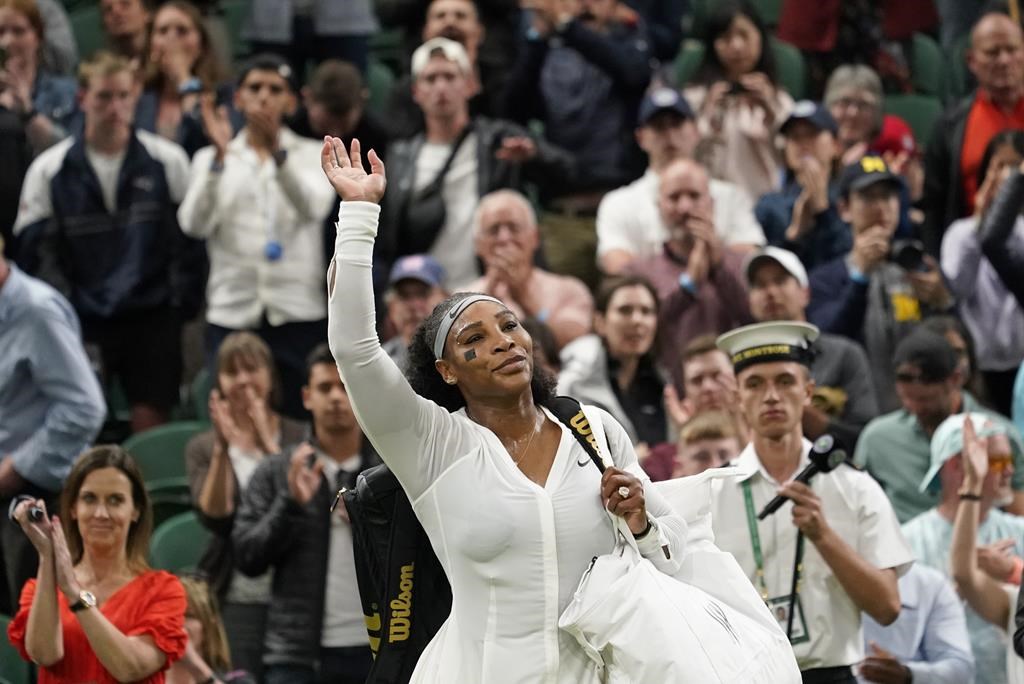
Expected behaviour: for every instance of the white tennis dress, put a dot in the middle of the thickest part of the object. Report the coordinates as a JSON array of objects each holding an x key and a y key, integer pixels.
[{"x": 513, "y": 551}]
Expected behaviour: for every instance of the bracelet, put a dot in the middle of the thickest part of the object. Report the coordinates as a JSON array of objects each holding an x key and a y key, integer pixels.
[
  {"x": 970, "y": 496},
  {"x": 858, "y": 277},
  {"x": 686, "y": 282},
  {"x": 191, "y": 87}
]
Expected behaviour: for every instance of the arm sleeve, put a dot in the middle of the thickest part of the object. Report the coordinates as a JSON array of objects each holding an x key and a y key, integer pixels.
[
  {"x": 880, "y": 541},
  {"x": 945, "y": 644},
  {"x": 937, "y": 183},
  {"x": 60, "y": 371},
  {"x": 625, "y": 58},
  {"x": 960, "y": 258},
  {"x": 838, "y": 305},
  {"x": 614, "y": 218},
  {"x": 60, "y": 49},
  {"x": 741, "y": 225},
  {"x": 18, "y": 626},
  {"x": 199, "y": 214},
  {"x": 163, "y": 618},
  {"x": 261, "y": 532},
  {"x": 671, "y": 525},
  {"x": 1004, "y": 250},
  {"x": 415, "y": 437}
]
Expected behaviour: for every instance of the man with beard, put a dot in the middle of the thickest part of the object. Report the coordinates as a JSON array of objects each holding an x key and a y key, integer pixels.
[
  {"x": 699, "y": 285},
  {"x": 930, "y": 534},
  {"x": 315, "y": 629},
  {"x": 896, "y": 448}
]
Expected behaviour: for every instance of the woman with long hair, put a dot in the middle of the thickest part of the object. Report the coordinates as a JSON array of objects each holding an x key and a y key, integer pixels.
[
  {"x": 45, "y": 102},
  {"x": 96, "y": 612},
  {"x": 180, "y": 65},
  {"x": 510, "y": 500},
  {"x": 615, "y": 368},
  {"x": 246, "y": 429},
  {"x": 738, "y": 99}
]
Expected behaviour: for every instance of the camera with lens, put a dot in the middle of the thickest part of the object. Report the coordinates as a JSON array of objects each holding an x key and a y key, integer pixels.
[{"x": 908, "y": 255}]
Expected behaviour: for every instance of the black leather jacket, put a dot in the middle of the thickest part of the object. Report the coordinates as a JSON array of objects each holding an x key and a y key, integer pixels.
[{"x": 550, "y": 166}]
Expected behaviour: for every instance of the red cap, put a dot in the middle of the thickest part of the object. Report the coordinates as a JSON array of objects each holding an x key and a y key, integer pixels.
[{"x": 895, "y": 136}]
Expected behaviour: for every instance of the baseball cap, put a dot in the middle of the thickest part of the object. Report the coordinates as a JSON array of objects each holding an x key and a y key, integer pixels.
[
  {"x": 930, "y": 352},
  {"x": 864, "y": 173},
  {"x": 419, "y": 267},
  {"x": 812, "y": 112},
  {"x": 453, "y": 52},
  {"x": 663, "y": 100},
  {"x": 783, "y": 257},
  {"x": 948, "y": 441},
  {"x": 895, "y": 137}
]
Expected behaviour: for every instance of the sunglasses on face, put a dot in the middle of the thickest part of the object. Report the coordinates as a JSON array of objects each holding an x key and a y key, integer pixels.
[{"x": 998, "y": 463}]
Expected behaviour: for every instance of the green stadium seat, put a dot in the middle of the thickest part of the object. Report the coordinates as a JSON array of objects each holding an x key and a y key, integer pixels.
[
  {"x": 160, "y": 452},
  {"x": 959, "y": 80},
  {"x": 789, "y": 63},
  {"x": 386, "y": 47},
  {"x": 234, "y": 17},
  {"x": 178, "y": 544},
  {"x": 381, "y": 81},
  {"x": 12, "y": 668},
  {"x": 87, "y": 27},
  {"x": 770, "y": 10},
  {"x": 920, "y": 112},
  {"x": 927, "y": 65}
]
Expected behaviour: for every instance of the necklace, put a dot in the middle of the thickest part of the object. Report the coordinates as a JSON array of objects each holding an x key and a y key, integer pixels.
[{"x": 537, "y": 424}]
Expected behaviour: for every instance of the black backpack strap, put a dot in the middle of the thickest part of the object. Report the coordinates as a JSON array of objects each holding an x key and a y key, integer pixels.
[{"x": 570, "y": 412}]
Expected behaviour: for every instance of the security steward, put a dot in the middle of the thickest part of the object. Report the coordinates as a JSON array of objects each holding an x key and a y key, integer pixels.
[{"x": 834, "y": 548}]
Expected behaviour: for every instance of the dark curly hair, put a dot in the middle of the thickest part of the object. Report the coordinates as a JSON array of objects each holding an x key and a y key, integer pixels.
[{"x": 428, "y": 383}]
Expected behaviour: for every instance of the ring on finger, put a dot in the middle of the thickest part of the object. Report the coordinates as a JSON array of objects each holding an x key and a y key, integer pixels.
[{"x": 623, "y": 492}]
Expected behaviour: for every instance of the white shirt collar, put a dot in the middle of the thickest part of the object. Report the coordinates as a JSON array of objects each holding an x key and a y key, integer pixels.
[{"x": 749, "y": 463}]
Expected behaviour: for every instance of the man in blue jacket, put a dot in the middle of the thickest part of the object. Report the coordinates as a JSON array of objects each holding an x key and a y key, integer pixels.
[
  {"x": 865, "y": 294},
  {"x": 97, "y": 220}
]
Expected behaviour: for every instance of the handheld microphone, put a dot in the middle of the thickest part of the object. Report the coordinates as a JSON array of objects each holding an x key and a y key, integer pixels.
[
  {"x": 35, "y": 513},
  {"x": 826, "y": 454}
]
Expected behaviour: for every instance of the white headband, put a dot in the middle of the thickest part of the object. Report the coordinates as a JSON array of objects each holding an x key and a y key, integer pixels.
[{"x": 453, "y": 313}]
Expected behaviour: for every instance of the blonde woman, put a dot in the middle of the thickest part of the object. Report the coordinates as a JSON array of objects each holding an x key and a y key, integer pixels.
[{"x": 207, "y": 657}]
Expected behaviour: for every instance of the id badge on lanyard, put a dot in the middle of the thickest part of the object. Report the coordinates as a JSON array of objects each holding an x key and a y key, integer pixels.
[{"x": 786, "y": 609}]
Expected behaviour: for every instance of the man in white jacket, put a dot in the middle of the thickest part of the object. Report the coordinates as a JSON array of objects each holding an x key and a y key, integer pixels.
[{"x": 258, "y": 201}]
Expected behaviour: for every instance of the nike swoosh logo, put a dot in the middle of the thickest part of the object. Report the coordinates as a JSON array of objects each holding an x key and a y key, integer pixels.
[{"x": 583, "y": 463}]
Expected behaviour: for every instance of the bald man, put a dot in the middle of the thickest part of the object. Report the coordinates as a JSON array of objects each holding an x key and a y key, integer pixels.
[
  {"x": 954, "y": 154},
  {"x": 506, "y": 238},
  {"x": 699, "y": 280}
]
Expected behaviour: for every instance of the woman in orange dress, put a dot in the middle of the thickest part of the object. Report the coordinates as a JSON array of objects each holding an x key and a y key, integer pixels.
[{"x": 96, "y": 612}]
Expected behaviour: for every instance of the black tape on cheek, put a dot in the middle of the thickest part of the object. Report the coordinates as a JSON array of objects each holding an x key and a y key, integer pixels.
[{"x": 470, "y": 355}]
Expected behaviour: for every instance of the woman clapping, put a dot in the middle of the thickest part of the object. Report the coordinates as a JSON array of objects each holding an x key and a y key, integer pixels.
[{"x": 96, "y": 612}]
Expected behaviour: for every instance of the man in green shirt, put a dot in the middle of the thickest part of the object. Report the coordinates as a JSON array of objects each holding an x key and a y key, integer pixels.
[{"x": 895, "y": 447}]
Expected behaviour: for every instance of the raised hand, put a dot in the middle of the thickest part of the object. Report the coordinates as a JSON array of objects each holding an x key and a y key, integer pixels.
[
  {"x": 66, "y": 580},
  {"x": 928, "y": 286},
  {"x": 39, "y": 533},
  {"x": 344, "y": 169},
  {"x": 303, "y": 480},
  {"x": 262, "y": 422},
  {"x": 975, "y": 458},
  {"x": 216, "y": 124},
  {"x": 225, "y": 429}
]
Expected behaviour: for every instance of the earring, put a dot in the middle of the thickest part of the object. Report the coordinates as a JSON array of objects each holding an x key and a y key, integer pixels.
[{"x": 450, "y": 381}]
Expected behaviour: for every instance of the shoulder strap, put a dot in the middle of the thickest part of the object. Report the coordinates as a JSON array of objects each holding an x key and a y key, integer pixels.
[{"x": 570, "y": 412}]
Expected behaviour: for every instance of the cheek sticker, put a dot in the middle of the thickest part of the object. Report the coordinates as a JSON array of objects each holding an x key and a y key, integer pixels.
[{"x": 470, "y": 355}]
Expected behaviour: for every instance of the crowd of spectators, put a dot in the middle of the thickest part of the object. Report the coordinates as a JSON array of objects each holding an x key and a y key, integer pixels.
[{"x": 163, "y": 217}]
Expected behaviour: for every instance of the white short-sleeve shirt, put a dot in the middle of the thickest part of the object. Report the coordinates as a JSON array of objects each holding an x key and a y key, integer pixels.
[
  {"x": 855, "y": 507},
  {"x": 628, "y": 218}
]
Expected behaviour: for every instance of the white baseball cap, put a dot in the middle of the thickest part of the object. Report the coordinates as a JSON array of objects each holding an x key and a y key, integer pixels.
[
  {"x": 453, "y": 52},
  {"x": 783, "y": 257}
]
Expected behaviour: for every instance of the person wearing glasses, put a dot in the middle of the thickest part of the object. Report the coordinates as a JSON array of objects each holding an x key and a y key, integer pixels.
[
  {"x": 896, "y": 448},
  {"x": 973, "y": 468}
]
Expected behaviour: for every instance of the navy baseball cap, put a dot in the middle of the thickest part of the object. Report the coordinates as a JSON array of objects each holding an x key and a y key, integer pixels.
[
  {"x": 419, "y": 267},
  {"x": 866, "y": 172},
  {"x": 663, "y": 100},
  {"x": 813, "y": 113},
  {"x": 268, "y": 61}
]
